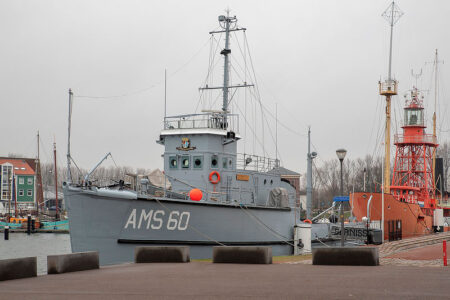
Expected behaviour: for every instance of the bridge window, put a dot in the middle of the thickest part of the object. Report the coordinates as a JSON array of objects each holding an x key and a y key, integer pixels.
[
  {"x": 173, "y": 162},
  {"x": 185, "y": 162},
  {"x": 224, "y": 163},
  {"x": 214, "y": 162},
  {"x": 198, "y": 162}
]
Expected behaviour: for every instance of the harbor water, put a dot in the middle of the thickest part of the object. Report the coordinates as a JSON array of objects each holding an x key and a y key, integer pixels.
[{"x": 37, "y": 244}]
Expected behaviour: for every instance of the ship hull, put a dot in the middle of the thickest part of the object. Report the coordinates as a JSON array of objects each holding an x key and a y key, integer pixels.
[
  {"x": 413, "y": 220},
  {"x": 114, "y": 226}
]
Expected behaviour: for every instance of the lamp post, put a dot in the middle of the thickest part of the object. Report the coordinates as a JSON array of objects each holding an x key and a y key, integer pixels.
[{"x": 341, "y": 155}]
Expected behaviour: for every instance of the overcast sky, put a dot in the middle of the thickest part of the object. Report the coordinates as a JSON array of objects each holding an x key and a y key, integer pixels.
[{"x": 319, "y": 60}]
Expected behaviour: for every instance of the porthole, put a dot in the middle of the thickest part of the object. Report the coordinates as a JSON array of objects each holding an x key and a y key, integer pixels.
[
  {"x": 173, "y": 162},
  {"x": 214, "y": 161},
  {"x": 224, "y": 163},
  {"x": 185, "y": 162},
  {"x": 271, "y": 181},
  {"x": 198, "y": 162},
  {"x": 265, "y": 181}
]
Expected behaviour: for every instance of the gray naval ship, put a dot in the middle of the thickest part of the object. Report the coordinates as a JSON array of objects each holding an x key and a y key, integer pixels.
[{"x": 242, "y": 198}]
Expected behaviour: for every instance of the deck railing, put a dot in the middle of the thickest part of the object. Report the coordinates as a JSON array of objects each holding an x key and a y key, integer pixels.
[
  {"x": 205, "y": 120},
  {"x": 422, "y": 139},
  {"x": 388, "y": 87},
  {"x": 256, "y": 163}
]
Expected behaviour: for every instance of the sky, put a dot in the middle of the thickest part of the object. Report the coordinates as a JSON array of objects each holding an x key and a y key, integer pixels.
[{"x": 317, "y": 62}]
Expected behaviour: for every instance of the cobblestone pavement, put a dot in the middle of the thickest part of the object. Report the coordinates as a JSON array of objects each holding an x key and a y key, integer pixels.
[
  {"x": 409, "y": 262},
  {"x": 422, "y": 256},
  {"x": 389, "y": 262}
]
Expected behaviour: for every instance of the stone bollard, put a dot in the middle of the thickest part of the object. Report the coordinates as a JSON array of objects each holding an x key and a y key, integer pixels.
[
  {"x": 242, "y": 254},
  {"x": 18, "y": 268},
  {"x": 162, "y": 254},
  {"x": 78, "y": 261},
  {"x": 346, "y": 256}
]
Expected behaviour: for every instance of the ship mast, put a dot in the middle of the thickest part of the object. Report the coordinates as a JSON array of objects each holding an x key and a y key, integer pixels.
[
  {"x": 388, "y": 88},
  {"x": 436, "y": 62},
  {"x": 228, "y": 24}
]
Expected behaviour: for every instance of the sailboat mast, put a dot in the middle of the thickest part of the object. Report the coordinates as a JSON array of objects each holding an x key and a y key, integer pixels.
[
  {"x": 40, "y": 196},
  {"x": 388, "y": 88},
  {"x": 56, "y": 181},
  {"x": 309, "y": 177},
  {"x": 69, "y": 174}
]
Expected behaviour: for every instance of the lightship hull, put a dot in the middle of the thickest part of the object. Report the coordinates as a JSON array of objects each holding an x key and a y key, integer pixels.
[{"x": 414, "y": 221}]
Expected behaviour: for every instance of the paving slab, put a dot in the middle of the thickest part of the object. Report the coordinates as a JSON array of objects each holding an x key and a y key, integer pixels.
[
  {"x": 205, "y": 280},
  {"x": 431, "y": 252}
]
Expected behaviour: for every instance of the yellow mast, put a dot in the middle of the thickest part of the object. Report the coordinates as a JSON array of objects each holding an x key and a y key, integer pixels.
[
  {"x": 434, "y": 113},
  {"x": 388, "y": 88}
]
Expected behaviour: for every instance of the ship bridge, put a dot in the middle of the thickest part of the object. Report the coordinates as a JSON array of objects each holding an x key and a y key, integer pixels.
[{"x": 204, "y": 123}]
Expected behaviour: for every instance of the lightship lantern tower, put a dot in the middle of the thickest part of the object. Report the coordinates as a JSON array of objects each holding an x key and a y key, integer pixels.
[
  {"x": 388, "y": 88},
  {"x": 412, "y": 181}
]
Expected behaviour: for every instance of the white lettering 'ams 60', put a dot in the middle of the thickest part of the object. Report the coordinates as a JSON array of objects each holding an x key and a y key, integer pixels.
[{"x": 157, "y": 219}]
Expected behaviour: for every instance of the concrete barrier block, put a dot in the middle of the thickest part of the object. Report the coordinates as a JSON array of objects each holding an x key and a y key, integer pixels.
[
  {"x": 348, "y": 256},
  {"x": 242, "y": 254},
  {"x": 73, "y": 262},
  {"x": 18, "y": 268},
  {"x": 162, "y": 254}
]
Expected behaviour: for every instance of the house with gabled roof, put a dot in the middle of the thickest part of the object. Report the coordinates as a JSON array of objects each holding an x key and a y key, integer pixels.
[{"x": 18, "y": 183}]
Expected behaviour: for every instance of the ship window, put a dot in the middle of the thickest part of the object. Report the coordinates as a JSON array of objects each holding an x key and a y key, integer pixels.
[
  {"x": 185, "y": 162},
  {"x": 271, "y": 181},
  {"x": 173, "y": 162},
  {"x": 214, "y": 162},
  {"x": 230, "y": 163},
  {"x": 265, "y": 181},
  {"x": 224, "y": 163},
  {"x": 198, "y": 162}
]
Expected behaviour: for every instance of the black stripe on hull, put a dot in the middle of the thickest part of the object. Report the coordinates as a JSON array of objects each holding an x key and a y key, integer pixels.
[{"x": 201, "y": 243}]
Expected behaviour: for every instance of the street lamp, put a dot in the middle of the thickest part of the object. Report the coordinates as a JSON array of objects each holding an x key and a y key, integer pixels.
[{"x": 341, "y": 155}]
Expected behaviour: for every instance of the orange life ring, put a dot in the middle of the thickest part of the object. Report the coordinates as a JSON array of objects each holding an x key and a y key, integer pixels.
[
  {"x": 211, "y": 177},
  {"x": 307, "y": 221}
]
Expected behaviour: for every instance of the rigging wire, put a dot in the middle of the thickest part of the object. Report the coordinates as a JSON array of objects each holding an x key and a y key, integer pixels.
[{"x": 132, "y": 93}]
